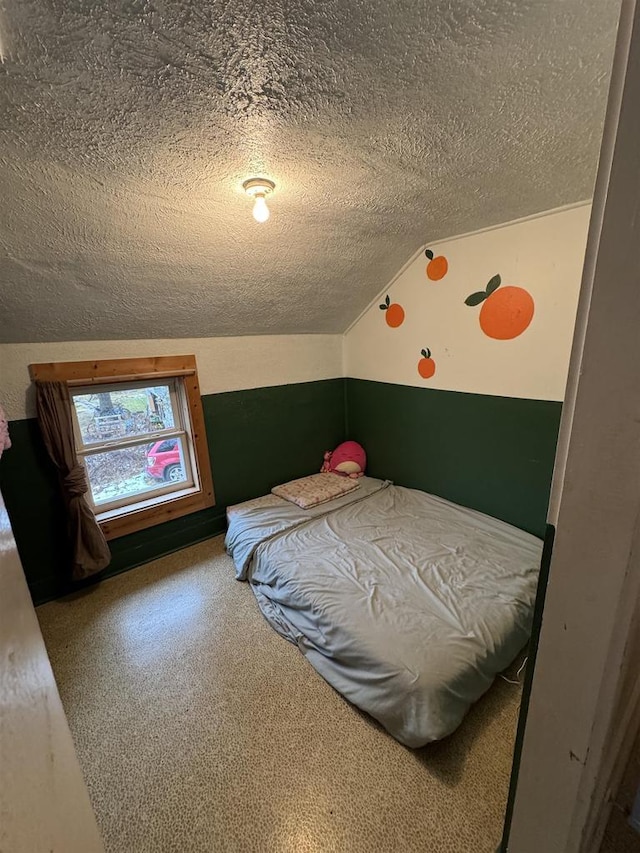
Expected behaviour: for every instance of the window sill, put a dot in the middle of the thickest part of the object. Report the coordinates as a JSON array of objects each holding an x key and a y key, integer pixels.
[
  {"x": 110, "y": 514},
  {"x": 124, "y": 520}
]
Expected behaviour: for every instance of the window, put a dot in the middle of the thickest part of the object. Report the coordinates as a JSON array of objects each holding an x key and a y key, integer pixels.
[
  {"x": 139, "y": 432},
  {"x": 120, "y": 434}
]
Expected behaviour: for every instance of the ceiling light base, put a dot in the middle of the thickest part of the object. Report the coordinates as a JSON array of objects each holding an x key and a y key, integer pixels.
[{"x": 258, "y": 186}]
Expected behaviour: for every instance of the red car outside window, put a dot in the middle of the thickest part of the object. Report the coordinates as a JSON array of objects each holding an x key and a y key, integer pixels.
[{"x": 163, "y": 461}]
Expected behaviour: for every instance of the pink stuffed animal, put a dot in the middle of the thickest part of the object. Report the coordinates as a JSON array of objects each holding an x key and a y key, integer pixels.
[{"x": 348, "y": 459}]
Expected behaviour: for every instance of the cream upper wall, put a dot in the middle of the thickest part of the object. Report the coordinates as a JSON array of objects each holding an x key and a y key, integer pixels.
[
  {"x": 224, "y": 364},
  {"x": 544, "y": 255}
]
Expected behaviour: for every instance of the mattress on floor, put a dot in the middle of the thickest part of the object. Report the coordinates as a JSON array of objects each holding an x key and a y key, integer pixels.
[
  {"x": 253, "y": 522},
  {"x": 405, "y": 603}
]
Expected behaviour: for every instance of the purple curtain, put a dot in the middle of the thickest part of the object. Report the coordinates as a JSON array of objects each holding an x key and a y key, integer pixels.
[{"x": 89, "y": 547}]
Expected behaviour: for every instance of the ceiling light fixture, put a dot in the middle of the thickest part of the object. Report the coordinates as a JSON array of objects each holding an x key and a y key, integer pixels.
[{"x": 258, "y": 189}]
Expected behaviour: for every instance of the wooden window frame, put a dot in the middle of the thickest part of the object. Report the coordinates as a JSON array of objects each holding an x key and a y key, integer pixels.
[{"x": 107, "y": 371}]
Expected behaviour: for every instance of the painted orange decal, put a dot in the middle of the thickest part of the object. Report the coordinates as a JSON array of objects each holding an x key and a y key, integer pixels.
[
  {"x": 394, "y": 313},
  {"x": 426, "y": 365},
  {"x": 437, "y": 267},
  {"x": 505, "y": 312}
]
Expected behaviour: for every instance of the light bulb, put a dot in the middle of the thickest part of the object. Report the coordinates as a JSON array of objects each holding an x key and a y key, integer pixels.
[{"x": 260, "y": 209}]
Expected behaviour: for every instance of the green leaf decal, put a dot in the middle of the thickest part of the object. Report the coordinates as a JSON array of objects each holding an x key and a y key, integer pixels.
[
  {"x": 423, "y": 353},
  {"x": 387, "y": 301},
  {"x": 383, "y": 307},
  {"x": 476, "y": 298},
  {"x": 428, "y": 353},
  {"x": 429, "y": 254},
  {"x": 494, "y": 284}
]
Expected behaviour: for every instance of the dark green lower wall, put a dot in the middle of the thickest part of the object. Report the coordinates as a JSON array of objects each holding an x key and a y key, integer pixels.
[
  {"x": 257, "y": 438},
  {"x": 494, "y": 454}
]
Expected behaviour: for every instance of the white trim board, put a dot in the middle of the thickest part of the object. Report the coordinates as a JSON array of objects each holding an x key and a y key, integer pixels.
[
  {"x": 579, "y": 695},
  {"x": 44, "y": 801}
]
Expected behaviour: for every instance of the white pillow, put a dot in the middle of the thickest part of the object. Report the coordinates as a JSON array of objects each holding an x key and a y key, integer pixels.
[{"x": 308, "y": 492}]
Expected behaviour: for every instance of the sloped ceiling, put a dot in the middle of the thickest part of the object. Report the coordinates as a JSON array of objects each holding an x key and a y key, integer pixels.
[{"x": 128, "y": 127}]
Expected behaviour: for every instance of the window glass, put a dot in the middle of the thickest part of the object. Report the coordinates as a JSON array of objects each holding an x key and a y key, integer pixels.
[
  {"x": 109, "y": 414},
  {"x": 119, "y": 475}
]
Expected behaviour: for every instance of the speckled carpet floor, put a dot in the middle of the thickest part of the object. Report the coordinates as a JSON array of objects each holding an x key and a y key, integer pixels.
[{"x": 199, "y": 729}]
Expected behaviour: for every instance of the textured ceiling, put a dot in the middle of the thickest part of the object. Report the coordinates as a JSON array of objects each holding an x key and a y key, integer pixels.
[{"x": 128, "y": 127}]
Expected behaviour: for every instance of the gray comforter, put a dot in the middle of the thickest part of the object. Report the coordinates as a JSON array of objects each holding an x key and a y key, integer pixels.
[{"x": 407, "y": 604}]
